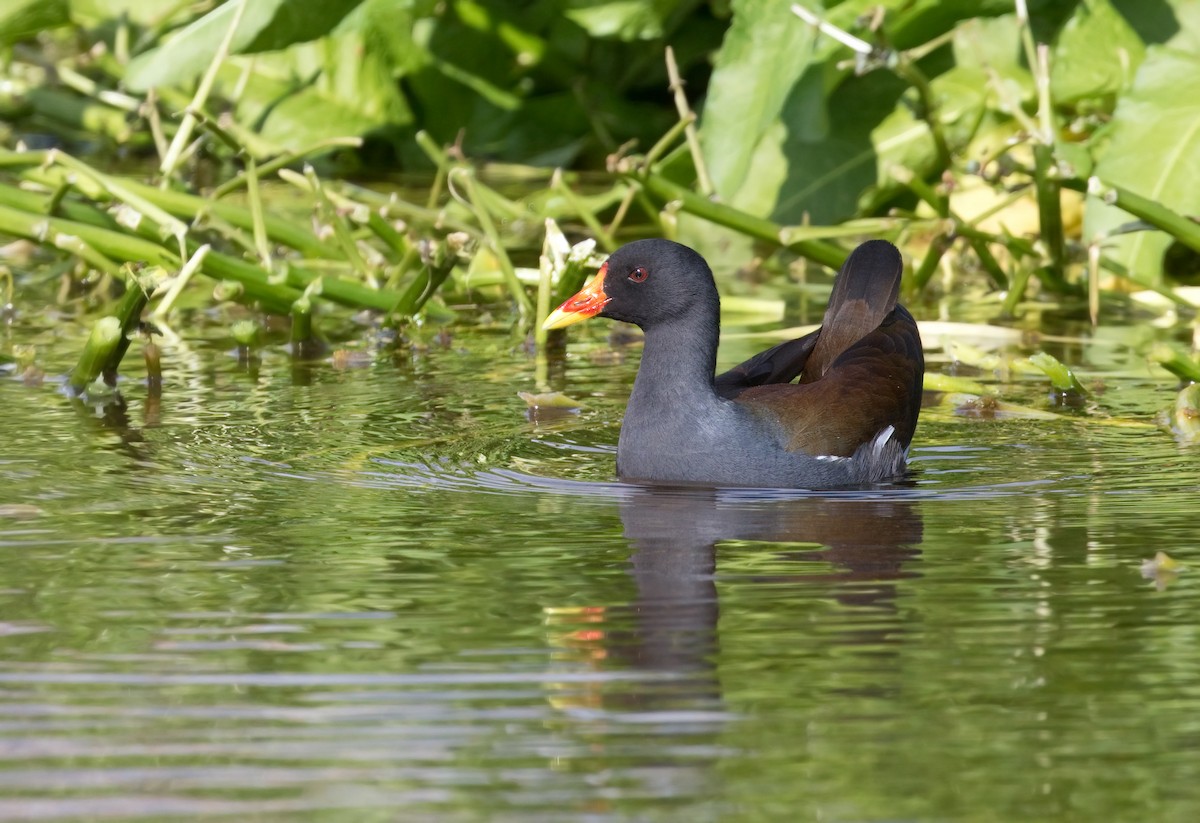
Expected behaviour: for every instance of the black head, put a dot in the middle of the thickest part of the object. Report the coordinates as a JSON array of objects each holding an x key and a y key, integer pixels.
[
  {"x": 655, "y": 281},
  {"x": 648, "y": 283}
]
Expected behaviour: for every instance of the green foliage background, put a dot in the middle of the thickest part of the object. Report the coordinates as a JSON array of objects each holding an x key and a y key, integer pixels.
[{"x": 793, "y": 126}]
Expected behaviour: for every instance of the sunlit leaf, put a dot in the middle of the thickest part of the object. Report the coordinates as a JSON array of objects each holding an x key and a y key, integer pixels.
[
  {"x": 25, "y": 18},
  {"x": 1096, "y": 54},
  {"x": 1061, "y": 377},
  {"x": 265, "y": 25},
  {"x": 626, "y": 19},
  {"x": 138, "y": 12},
  {"x": 765, "y": 52},
  {"x": 1153, "y": 150}
]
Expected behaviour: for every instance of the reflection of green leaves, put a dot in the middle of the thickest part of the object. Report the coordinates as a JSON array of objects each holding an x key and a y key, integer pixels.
[
  {"x": 1153, "y": 150},
  {"x": 266, "y": 25}
]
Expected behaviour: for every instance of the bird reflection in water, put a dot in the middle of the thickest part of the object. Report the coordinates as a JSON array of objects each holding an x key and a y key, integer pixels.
[{"x": 671, "y": 625}]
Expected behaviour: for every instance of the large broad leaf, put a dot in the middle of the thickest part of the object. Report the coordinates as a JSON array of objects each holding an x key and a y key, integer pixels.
[
  {"x": 916, "y": 22},
  {"x": 25, "y": 18},
  {"x": 785, "y": 132},
  {"x": 624, "y": 19},
  {"x": 265, "y": 25},
  {"x": 1153, "y": 149},
  {"x": 91, "y": 13},
  {"x": 765, "y": 52},
  {"x": 1096, "y": 55},
  {"x": 1174, "y": 23},
  {"x": 870, "y": 127},
  {"x": 350, "y": 90}
]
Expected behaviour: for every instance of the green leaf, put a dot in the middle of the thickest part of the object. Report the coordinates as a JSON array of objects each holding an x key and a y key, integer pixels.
[
  {"x": 916, "y": 22},
  {"x": 266, "y": 25},
  {"x": 845, "y": 169},
  {"x": 624, "y": 19},
  {"x": 95, "y": 13},
  {"x": 787, "y": 132},
  {"x": 1174, "y": 23},
  {"x": 829, "y": 171},
  {"x": 24, "y": 18},
  {"x": 766, "y": 51},
  {"x": 1096, "y": 54},
  {"x": 994, "y": 45},
  {"x": 1153, "y": 150},
  {"x": 340, "y": 85}
]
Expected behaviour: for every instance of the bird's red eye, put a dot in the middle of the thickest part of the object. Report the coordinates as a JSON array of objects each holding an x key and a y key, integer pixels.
[{"x": 639, "y": 275}]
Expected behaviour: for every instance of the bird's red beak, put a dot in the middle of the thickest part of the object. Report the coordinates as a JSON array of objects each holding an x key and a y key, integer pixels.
[{"x": 587, "y": 302}]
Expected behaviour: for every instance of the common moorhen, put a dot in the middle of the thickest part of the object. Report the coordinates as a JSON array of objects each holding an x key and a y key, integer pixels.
[{"x": 847, "y": 422}]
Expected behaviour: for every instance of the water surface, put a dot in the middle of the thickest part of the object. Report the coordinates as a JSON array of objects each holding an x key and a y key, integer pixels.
[{"x": 381, "y": 593}]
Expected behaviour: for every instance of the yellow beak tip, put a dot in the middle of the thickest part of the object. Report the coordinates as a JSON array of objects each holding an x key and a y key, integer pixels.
[{"x": 558, "y": 319}]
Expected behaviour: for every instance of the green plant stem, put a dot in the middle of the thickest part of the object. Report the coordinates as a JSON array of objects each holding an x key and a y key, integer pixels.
[
  {"x": 304, "y": 342},
  {"x": 819, "y": 252},
  {"x": 687, "y": 116},
  {"x": 175, "y": 151},
  {"x": 261, "y": 243},
  {"x": 75, "y": 112},
  {"x": 73, "y": 245},
  {"x": 666, "y": 141},
  {"x": 129, "y": 314},
  {"x": 394, "y": 240},
  {"x": 1015, "y": 245},
  {"x": 990, "y": 264},
  {"x": 907, "y": 70},
  {"x": 929, "y": 263},
  {"x": 605, "y": 239},
  {"x": 117, "y": 190},
  {"x": 341, "y": 228},
  {"x": 99, "y": 231},
  {"x": 189, "y": 206},
  {"x": 101, "y": 343},
  {"x": 393, "y": 207},
  {"x": 1176, "y": 363},
  {"x": 276, "y": 163},
  {"x": 1049, "y": 209},
  {"x": 438, "y": 265},
  {"x": 1183, "y": 229},
  {"x": 1017, "y": 290},
  {"x": 493, "y": 235},
  {"x": 122, "y": 246},
  {"x": 181, "y": 280},
  {"x": 940, "y": 203}
]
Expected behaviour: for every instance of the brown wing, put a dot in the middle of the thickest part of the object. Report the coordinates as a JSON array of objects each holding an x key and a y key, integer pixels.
[
  {"x": 875, "y": 382},
  {"x": 864, "y": 294}
]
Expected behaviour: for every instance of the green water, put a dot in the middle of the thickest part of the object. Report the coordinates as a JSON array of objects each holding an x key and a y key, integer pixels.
[{"x": 381, "y": 593}]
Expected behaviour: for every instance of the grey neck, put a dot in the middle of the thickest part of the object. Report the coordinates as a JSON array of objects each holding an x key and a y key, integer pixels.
[{"x": 676, "y": 372}]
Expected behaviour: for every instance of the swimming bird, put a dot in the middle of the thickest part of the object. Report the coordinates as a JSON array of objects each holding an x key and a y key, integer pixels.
[{"x": 846, "y": 421}]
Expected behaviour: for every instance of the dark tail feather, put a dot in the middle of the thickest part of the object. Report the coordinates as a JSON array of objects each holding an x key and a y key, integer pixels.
[{"x": 864, "y": 293}]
